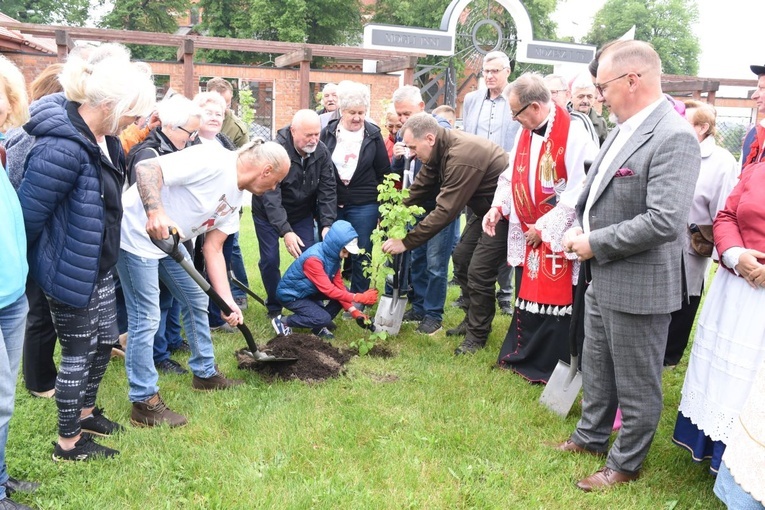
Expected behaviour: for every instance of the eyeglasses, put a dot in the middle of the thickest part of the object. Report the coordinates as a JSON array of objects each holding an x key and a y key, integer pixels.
[
  {"x": 601, "y": 87},
  {"x": 554, "y": 93},
  {"x": 486, "y": 72},
  {"x": 515, "y": 115},
  {"x": 192, "y": 134}
]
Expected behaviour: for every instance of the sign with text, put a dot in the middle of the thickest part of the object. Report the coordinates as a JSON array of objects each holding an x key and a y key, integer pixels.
[
  {"x": 415, "y": 40},
  {"x": 548, "y": 52}
]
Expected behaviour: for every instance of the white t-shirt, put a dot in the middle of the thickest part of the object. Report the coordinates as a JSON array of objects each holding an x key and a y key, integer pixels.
[
  {"x": 199, "y": 194},
  {"x": 346, "y": 153}
]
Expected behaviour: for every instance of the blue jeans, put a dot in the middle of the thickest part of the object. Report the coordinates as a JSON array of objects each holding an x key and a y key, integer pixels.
[
  {"x": 13, "y": 318},
  {"x": 237, "y": 266},
  {"x": 363, "y": 218},
  {"x": 168, "y": 335},
  {"x": 430, "y": 273},
  {"x": 269, "y": 264},
  {"x": 140, "y": 284},
  {"x": 310, "y": 313}
]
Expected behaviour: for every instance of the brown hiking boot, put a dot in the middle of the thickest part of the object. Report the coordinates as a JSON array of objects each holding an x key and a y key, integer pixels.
[
  {"x": 217, "y": 382},
  {"x": 153, "y": 412}
]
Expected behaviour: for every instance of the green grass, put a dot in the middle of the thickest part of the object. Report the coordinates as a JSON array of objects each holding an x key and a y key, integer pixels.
[{"x": 422, "y": 430}]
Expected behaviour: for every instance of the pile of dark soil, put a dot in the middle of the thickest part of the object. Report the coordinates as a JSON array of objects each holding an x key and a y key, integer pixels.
[{"x": 316, "y": 359}]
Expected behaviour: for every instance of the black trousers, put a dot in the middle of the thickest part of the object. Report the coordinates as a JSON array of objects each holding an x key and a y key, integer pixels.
[
  {"x": 87, "y": 336},
  {"x": 39, "y": 342},
  {"x": 680, "y": 330},
  {"x": 476, "y": 263}
]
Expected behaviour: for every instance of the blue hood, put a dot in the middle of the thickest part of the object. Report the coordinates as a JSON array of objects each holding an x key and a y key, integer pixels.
[{"x": 340, "y": 234}]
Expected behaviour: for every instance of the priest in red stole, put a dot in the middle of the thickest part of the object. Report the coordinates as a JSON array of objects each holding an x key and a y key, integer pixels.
[{"x": 537, "y": 194}]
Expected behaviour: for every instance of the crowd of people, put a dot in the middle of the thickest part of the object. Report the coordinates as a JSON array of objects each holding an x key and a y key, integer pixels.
[{"x": 98, "y": 174}]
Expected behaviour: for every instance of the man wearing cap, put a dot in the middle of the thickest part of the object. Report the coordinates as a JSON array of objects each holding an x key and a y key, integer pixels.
[
  {"x": 315, "y": 277},
  {"x": 755, "y": 139}
]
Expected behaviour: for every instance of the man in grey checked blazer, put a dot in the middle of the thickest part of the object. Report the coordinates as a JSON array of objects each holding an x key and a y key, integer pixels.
[{"x": 632, "y": 212}]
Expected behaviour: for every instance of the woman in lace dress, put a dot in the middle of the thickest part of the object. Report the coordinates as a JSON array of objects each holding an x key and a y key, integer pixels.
[{"x": 730, "y": 337}]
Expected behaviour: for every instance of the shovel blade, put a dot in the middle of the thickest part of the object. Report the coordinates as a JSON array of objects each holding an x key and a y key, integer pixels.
[
  {"x": 562, "y": 389},
  {"x": 262, "y": 357},
  {"x": 390, "y": 314}
]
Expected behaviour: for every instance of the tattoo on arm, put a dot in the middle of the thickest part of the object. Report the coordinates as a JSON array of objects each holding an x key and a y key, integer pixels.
[{"x": 149, "y": 182}]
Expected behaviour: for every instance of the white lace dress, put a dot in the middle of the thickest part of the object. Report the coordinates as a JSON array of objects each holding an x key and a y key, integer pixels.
[{"x": 728, "y": 348}]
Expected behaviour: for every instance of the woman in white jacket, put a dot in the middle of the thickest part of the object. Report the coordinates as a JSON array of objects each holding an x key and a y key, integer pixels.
[{"x": 717, "y": 176}]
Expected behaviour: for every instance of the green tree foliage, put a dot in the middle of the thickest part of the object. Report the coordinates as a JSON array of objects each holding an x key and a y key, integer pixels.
[
  {"x": 147, "y": 16},
  {"x": 666, "y": 24},
  {"x": 428, "y": 14},
  {"x": 335, "y": 22},
  {"x": 311, "y": 21},
  {"x": 227, "y": 18},
  {"x": 48, "y": 12}
]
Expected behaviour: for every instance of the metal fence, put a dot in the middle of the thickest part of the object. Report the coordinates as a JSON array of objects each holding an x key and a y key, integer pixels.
[{"x": 731, "y": 131}]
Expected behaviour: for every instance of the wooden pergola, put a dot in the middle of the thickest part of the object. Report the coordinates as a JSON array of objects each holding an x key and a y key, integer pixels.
[
  {"x": 291, "y": 54},
  {"x": 706, "y": 89}
]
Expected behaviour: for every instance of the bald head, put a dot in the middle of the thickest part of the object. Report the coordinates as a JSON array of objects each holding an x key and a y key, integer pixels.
[{"x": 305, "y": 130}]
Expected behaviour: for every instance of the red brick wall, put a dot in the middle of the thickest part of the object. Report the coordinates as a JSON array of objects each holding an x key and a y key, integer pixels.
[{"x": 286, "y": 83}]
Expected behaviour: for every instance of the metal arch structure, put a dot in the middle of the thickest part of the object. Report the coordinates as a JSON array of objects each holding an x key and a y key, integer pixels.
[
  {"x": 520, "y": 16},
  {"x": 441, "y": 79}
]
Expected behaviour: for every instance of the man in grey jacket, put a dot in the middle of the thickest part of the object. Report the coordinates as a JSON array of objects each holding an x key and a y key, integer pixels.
[{"x": 485, "y": 113}]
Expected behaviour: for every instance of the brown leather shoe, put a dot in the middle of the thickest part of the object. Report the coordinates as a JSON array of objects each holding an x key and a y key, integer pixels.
[
  {"x": 216, "y": 382},
  {"x": 153, "y": 412},
  {"x": 605, "y": 478},
  {"x": 569, "y": 446}
]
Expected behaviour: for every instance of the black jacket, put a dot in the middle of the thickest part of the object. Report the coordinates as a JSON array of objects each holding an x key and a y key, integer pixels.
[
  {"x": 371, "y": 169},
  {"x": 154, "y": 145},
  {"x": 309, "y": 186}
]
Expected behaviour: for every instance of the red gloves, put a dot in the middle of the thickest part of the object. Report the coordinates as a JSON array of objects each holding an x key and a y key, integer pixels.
[
  {"x": 356, "y": 314},
  {"x": 361, "y": 319},
  {"x": 368, "y": 297}
]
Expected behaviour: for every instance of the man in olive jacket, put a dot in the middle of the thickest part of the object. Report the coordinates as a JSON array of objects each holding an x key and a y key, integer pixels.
[
  {"x": 458, "y": 169},
  {"x": 288, "y": 212}
]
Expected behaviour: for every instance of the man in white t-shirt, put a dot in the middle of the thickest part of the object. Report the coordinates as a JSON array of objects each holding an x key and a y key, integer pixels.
[{"x": 199, "y": 191}]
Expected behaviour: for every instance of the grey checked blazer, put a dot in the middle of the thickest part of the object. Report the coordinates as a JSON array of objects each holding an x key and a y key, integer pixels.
[{"x": 637, "y": 222}]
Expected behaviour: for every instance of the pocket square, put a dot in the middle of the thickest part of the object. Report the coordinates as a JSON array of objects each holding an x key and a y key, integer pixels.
[{"x": 624, "y": 172}]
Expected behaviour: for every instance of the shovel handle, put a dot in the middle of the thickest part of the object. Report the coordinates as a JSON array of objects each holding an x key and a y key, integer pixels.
[
  {"x": 169, "y": 245},
  {"x": 246, "y": 333},
  {"x": 245, "y": 288}
]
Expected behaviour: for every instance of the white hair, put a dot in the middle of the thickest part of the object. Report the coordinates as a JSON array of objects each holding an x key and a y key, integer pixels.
[
  {"x": 499, "y": 56},
  {"x": 177, "y": 110},
  {"x": 204, "y": 98},
  {"x": 108, "y": 77},
  {"x": 351, "y": 94},
  {"x": 407, "y": 93}
]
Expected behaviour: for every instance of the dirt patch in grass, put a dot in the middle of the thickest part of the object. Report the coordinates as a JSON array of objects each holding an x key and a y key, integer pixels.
[
  {"x": 316, "y": 359},
  {"x": 378, "y": 351}
]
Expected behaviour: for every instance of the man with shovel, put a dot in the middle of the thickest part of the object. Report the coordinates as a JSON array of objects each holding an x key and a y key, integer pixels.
[
  {"x": 458, "y": 169},
  {"x": 197, "y": 191}
]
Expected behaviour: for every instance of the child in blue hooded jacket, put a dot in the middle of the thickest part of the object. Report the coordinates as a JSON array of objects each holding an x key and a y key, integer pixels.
[{"x": 314, "y": 277}]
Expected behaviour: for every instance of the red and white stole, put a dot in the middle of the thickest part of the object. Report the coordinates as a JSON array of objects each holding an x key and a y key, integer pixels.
[{"x": 546, "y": 275}]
